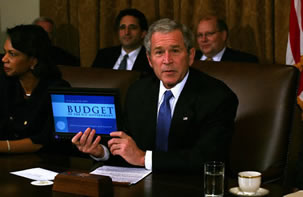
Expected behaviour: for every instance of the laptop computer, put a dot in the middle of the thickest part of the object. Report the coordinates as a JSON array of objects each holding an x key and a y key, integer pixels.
[{"x": 76, "y": 109}]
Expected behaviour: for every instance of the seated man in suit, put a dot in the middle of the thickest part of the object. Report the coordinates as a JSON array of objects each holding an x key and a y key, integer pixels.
[
  {"x": 212, "y": 34},
  {"x": 131, "y": 25},
  {"x": 178, "y": 118},
  {"x": 59, "y": 55}
]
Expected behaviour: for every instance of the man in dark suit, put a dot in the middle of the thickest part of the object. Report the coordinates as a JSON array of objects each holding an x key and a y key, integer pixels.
[
  {"x": 59, "y": 55},
  {"x": 212, "y": 34},
  {"x": 198, "y": 110},
  {"x": 131, "y": 25}
]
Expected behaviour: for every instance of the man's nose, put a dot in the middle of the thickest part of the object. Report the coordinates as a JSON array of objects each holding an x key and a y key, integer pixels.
[
  {"x": 127, "y": 30},
  {"x": 204, "y": 38},
  {"x": 167, "y": 57}
]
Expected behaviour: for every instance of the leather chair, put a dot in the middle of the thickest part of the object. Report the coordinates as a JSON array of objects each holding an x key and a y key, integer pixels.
[
  {"x": 99, "y": 78},
  {"x": 265, "y": 121},
  {"x": 265, "y": 116}
]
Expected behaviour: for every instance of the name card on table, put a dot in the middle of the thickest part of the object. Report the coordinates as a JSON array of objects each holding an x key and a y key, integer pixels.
[{"x": 83, "y": 184}]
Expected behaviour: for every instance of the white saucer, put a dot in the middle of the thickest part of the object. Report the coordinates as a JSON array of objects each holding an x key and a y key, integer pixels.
[
  {"x": 41, "y": 183},
  {"x": 260, "y": 192}
]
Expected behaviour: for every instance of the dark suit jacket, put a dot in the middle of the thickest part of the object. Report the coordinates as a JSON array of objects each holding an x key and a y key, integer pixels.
[
  {"x": 201, "y": 127},
  {"x": 62, "y": 57},
  {"x": 231, "y": 55},
  {"x": 107, "y": 57}
]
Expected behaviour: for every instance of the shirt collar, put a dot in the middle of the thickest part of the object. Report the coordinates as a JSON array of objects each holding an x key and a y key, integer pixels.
[
  {"x": 176, "y": 90},
  {"x": 217, "y": 57},
  {"x": 133, "y": 54}
]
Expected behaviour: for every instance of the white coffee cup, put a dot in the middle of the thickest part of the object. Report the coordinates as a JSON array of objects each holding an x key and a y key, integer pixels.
[{"x": 249, "y": 181}]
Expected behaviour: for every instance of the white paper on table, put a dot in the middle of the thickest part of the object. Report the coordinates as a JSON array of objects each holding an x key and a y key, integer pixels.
[
  {"x": 38, "y": 174},
  {"x": 122, "y": 174},
  {"x": 295, "y": 194}
]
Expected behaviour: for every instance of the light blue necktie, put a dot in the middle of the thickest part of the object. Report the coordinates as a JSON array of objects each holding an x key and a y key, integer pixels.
[{"x": 163, "y": 124}]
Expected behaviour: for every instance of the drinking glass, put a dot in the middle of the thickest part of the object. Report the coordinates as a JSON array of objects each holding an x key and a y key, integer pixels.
[{"x": 214, "y": 179}]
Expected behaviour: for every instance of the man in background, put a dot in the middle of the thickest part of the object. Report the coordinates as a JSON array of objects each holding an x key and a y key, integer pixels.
[
  {"x": 212, "y": 34},
  {"x": 131, "y": 26},
  {"x": 59, "y": 55}
]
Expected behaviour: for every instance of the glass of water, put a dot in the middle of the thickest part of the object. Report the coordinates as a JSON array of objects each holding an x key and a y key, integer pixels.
[{"x": 214, "y": 179}]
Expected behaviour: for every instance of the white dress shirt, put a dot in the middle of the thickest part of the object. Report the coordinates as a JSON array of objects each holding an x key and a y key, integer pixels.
[
  {"x": 132, "y": 56},
  {"x": 105, "y": 157},
  {"x": 176, "y": 91},
  {"x": 217, "y": 57}
]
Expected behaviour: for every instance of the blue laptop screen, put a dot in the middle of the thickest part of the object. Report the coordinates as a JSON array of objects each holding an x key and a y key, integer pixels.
[{"x": 74, "y": 113}]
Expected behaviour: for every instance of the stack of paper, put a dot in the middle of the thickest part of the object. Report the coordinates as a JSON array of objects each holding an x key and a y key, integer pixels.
[
  {"x": 36, "y": 174},
  {"x": 122, "y": 174}
]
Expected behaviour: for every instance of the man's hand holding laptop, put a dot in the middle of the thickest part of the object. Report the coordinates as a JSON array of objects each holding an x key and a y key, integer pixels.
[
  {"x": 121, "y": 144},
  {"x": 85, "y": 143}
]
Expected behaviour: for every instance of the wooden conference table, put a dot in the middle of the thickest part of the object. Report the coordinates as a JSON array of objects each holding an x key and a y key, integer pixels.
[{"x": 154, "y": 185}]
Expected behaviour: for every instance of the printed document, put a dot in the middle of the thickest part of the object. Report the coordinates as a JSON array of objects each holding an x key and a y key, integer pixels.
[
  {"x": 124, "y": 175},
  {"x": 38, "y": 174}
]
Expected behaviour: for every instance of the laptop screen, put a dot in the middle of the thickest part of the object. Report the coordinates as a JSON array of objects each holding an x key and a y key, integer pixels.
[{"x": 77, "y": 109}]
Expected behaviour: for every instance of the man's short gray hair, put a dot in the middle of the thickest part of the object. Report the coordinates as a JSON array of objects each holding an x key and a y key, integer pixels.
[
  {"x": 43, "y": 19},
  {"x": 166, "y": 26}
]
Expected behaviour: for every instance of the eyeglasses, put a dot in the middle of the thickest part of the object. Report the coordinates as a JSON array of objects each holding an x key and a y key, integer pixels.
[{"x": 207, "y": 34}]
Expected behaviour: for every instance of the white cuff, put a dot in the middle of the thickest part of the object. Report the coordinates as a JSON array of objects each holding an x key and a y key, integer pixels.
[
  {"x": 148, "y": 160},
  {"x": 105, "y": 157}
]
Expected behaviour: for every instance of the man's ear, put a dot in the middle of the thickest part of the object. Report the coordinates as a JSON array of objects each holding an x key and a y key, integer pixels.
[
  {"x": 143, "y": 34},
  {"x": 148, "y": 58},
  {"x": 191, "y": 56},
  {"x": 224, "y": 34}
]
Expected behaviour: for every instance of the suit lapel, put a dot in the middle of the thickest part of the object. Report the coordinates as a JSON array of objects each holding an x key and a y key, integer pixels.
[
  {"x": 183, "y": 111},
  {"x": 148, "y": 108},
  {"x": 115, "y": 55},
  {"x": 226, "y": 55},
  {"x": 141, "y": 60},
  {"x": 153, "y": 108}
]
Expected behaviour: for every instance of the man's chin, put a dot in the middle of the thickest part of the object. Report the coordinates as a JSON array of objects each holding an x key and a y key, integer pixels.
[
  {"x": 170, "y": 85},
  {"x": 169, "y": 82},
  {"x": 206, "y": 50},
  {"x": 129, "y": 47}
]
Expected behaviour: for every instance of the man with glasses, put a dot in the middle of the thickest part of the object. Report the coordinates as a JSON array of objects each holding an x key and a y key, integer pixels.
[
  {"x": 131, "y": 26},
  {"x": 212, "y": 34}
]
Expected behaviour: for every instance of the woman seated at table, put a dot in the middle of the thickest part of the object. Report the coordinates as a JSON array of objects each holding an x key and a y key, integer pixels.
[{"x": 25, "y": 76}]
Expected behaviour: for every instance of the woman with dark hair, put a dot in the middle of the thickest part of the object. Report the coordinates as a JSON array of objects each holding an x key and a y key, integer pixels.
[{"x": 26, "y": 74}]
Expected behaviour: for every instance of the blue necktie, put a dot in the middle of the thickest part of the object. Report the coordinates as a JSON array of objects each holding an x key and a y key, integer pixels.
[
  {"x": 123, "y": 64},
  {"x": 163, "y": 124}
]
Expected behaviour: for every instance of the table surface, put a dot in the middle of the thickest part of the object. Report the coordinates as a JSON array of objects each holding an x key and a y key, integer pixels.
[{"x": 154, "y": 185}]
